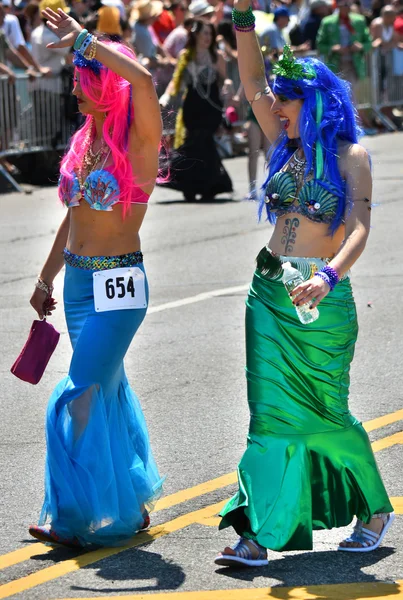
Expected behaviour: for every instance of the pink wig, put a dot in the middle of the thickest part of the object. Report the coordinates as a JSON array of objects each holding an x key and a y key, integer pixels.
[{"x": 112, "y": 96}]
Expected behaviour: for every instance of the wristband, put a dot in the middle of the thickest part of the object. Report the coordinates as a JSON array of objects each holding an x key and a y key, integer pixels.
[
  {"x": 80, "y": 39},
  {"x": 83, "y": 48}
]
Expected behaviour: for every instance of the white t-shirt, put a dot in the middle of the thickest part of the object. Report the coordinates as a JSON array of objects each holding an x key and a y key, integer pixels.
[
  {"x": 46, "y": 57},
  {"x": 12, "y": 30}
]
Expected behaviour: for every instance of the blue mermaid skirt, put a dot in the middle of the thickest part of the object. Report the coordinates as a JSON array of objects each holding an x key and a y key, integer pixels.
[{"x": 100, "y": 473}]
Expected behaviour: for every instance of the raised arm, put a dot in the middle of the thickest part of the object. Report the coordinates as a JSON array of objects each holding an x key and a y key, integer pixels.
[
  {"x": 253, "y": 77},
  {"x": 147, "y": 126}
]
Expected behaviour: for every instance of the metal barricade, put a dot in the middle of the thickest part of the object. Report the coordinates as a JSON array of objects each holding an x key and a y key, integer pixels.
[
  {"x": 390, "y": 72},
  {"x": 33, "y": 116}
]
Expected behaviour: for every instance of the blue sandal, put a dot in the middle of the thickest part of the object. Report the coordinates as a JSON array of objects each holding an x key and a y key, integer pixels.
[
  {"x": 243, "y": 556},
  {"x": 368, "y": 539}
]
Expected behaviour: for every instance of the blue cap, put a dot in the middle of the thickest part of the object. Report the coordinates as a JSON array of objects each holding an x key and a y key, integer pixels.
[{"x": 281, "y": 12}]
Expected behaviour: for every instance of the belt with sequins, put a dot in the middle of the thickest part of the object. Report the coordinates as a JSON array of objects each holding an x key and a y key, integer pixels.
[{"x": 101, "y": 263}]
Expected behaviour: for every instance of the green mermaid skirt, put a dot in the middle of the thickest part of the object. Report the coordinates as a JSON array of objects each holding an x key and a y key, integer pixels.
[{"x": 308, "y": 464}]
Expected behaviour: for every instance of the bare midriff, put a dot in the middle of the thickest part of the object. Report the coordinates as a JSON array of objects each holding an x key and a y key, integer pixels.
[
  {"x": 295, "y": 235},
  {"x": 105, "y": 233}
]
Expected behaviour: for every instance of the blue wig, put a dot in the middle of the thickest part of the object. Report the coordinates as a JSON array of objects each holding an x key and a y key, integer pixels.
[{"x": 327, "y": 116}]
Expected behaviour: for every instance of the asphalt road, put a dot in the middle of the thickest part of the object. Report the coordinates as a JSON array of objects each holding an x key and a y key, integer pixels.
[{"x": 187, "y": 366}]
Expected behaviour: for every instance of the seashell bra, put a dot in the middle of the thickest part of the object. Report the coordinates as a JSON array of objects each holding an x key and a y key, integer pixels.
[
  {"x": 100, "y": 189},
  {"x": 312, "y": 200}
]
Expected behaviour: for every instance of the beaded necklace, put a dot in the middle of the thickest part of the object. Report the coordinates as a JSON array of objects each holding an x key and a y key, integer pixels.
[
  {"x": 91, "y": 158},
  {"x": 297, "y": 167}
]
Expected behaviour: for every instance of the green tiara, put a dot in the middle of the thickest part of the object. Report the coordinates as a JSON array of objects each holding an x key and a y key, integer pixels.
[{"x": 288, "y": 67}]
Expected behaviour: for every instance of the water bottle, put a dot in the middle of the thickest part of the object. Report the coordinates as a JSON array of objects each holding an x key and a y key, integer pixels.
[{"x": 291, "y": 279}]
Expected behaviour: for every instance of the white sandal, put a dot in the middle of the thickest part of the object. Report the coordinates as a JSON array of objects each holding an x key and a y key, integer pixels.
[
  {"x": 368, "y": 539},
  {"x": 243, "y": 556}
]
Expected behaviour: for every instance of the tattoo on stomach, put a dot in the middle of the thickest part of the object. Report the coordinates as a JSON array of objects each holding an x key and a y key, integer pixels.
[{"x": 290, "y": 234}]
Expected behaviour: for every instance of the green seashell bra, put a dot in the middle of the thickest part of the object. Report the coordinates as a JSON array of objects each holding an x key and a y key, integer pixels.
[{"x": 287, "y": 192}]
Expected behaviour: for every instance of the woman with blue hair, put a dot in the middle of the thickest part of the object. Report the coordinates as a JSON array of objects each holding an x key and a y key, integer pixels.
[{"x": 308, "y": 463}]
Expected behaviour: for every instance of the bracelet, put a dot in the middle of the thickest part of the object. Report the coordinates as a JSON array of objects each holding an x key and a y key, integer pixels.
[
  {"x": 83, "y": 48},
  {"x": 93, "y": 48},
  {"x": 325, "y": 279},
  {"x": 332, "y": 274},
  {"x": 80, "y": 39},
  {"x": 329, "y": 275},
  {"x": 243, "y": 19},
  {"x": 259, "y": 94},
  {"x": 244, "y": 29},
  {"x": 42, "y": 285}
]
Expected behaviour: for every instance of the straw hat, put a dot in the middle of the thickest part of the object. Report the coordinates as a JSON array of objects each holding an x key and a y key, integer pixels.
[
  {"x": 146, "y": 9},
  {"x": 53, "y": 4},
  {"x": 109, "y": 20}
]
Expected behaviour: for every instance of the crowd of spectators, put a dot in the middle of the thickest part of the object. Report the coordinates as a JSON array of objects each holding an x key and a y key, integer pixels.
[{"x": 341, "y": 32}]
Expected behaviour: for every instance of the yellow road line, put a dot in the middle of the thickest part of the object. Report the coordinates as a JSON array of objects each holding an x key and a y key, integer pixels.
[
  {"x": 391, "y": 440},
  {"x": 25, "y": 553},
  {"x": 397, "y": 503},
  {"x": 69, "y": 566},
  {"x": 341, "y": 591},
  {"x": 196, "y": 491},
  {"x": 385, "y": 420}
]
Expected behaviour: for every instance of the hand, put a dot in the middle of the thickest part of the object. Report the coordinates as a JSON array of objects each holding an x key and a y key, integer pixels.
[
  {"x": 32, "y": 73},
  {"x": 336, "y": 49},
  {"x": 164, "y": 100},
  {"x": 356, "y": 47},
  {"x": 11, "y": 78},
  {"x": 66, "y": 28},
  {"x": 42, "y": 303},
  {"x": 241, "y": 5},
  {"x": 45, "y": 71},
  {"x": 305, "y": 47},
  {"x": 310, "y": 292}
]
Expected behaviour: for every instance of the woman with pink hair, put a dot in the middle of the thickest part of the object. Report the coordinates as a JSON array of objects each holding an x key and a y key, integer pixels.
[{"x": 101, "y": 478}]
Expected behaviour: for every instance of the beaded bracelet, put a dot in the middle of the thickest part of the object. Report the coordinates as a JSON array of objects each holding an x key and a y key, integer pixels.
[
  {"x": 329, "y": 275},
  {"x": 244, "y": 29},
  {"x": 93, "y": 48},
  {"x": 243, "y": 19},
  {"x": 80, "y": 39}
]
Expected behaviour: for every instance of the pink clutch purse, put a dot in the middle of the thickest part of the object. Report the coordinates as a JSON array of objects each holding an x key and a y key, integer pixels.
[{"x": 35, "y": 355}]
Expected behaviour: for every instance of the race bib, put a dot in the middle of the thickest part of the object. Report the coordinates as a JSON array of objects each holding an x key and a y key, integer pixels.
[{"x": 119, "y": 289}]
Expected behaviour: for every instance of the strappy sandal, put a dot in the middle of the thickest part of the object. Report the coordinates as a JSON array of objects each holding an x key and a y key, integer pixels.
[
  {"x": 46, "y": 534},
  {"x": 243, "y": 556},
  {"x": 368, "y": 539}
]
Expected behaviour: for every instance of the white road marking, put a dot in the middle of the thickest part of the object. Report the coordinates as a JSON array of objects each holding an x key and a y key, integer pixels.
[{"x": 198, "y": 298}]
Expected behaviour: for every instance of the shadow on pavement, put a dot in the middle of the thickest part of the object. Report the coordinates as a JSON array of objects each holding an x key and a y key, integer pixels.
[
  {"x": 136, "y": 564},
  {"x": 317, "y": 568}
]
